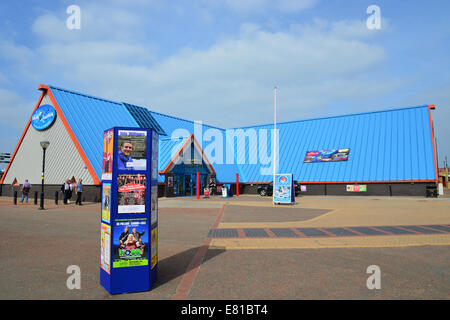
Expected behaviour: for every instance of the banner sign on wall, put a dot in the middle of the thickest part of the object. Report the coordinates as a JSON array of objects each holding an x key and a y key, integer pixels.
[
  {"x": 331, "y": 155},
  {"x": 356, "y": 188}
]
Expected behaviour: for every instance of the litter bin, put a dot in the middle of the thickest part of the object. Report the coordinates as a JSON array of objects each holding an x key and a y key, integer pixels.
[
  {"x": 431, "y": 191},
  {"x": 224, "y": 192},
  {"x": 230, "y": 191}
]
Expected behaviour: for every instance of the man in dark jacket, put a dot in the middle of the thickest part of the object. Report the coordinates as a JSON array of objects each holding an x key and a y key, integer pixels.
[{"x": 123, "y": 237}]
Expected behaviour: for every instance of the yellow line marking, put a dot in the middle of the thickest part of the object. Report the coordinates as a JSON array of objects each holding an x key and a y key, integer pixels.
[
  {"x": 281, "y": 224},
  {"x": 334, "y": 242}
]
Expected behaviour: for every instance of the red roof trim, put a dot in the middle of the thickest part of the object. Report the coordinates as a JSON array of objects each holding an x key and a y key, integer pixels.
[
  {"x": 74, "y": 139},
  {"x": 432, "y": 107},
  {"x": 188, "y": 140}
]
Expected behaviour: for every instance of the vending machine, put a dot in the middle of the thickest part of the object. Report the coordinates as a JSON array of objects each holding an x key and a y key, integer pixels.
[
  {"x": 129, "y": 210},
  {"x": 283, "y": 188}
]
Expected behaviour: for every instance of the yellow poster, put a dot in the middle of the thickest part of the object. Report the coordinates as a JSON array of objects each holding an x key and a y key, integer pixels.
[
  {"x": 105, "y": 245},
  {"x": 106, "y": 202},
  {"x": 154, "y": 243},
  {"x": 107, "y": 155}
]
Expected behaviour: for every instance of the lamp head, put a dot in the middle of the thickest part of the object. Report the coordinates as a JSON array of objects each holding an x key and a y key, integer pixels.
[{"x": 45, "y": 144}]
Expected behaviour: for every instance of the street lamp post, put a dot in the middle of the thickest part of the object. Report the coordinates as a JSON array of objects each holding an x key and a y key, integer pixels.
[{"x": 44, "y": 145}]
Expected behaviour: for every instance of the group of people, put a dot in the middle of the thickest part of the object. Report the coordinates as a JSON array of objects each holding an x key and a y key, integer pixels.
[
  {"x": 131, "y": 240},
  {"x": 67, "y": 188}
]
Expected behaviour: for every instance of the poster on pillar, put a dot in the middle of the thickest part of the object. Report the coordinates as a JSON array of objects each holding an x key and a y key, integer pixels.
[
  {"x": 107, "y": 155},
  {"x": 283, "y": 188},
  {"x": 129, "y": 211},
  {"x": 132, "y": 150},
  {"x": 131, "y": 193}
]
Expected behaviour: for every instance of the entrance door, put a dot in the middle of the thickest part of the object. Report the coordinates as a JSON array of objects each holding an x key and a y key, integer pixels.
[
  {"x": 180, "y": 187},
  {"x": 204, "y": 180},
  {"x": 187, "y": 185},
  {"x": 193, "y": 184}
]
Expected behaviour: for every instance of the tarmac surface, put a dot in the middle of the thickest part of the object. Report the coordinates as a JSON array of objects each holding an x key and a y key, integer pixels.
[{"x": 241, "y": 248}]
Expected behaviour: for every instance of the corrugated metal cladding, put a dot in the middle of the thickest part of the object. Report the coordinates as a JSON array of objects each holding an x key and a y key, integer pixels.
[
  {"x": 172, "y": 125},
  {"x": 88, "y": 117},
  {"x": 62, "y": 160},
  {"x": 167, "y": 149},
  {"x": 144, "y": 118},
  {"x": 391, "y": 145}
]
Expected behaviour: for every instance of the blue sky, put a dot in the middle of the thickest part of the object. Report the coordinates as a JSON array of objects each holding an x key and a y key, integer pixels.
[{"x": 218, "y": 61}]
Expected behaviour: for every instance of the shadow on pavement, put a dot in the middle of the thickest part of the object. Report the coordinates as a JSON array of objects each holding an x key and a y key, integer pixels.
[{"x": 180, "y": 264}]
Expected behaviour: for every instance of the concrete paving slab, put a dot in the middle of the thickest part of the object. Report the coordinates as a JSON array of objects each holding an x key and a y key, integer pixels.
[{"x": 193, "y": 266}]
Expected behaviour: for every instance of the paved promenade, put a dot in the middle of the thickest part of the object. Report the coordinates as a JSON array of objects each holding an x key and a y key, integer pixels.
[{"x": 241, "y": 248}]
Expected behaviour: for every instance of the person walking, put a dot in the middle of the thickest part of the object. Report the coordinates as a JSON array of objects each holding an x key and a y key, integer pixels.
[
  {"x": 26, "y": 187},
  {"x": 79, "y": 191},
  {"x": 212, "y": 186},
  {"x": 66, "y": 188}
]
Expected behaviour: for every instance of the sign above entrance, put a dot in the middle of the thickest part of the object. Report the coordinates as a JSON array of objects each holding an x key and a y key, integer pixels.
[{"x": 43, "y": 117}]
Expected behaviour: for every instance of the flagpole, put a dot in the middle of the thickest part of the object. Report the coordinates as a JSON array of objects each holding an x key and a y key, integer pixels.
[{"x": 275, "y": 134}]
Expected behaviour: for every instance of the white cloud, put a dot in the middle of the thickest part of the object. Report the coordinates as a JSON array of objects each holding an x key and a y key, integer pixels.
[
  {"x": 286, "y": 6},
  {"x": 98, "y": 21},
  {"x": 15, "y": 109},
  {"x": 229, "y": 83},
  {"x": 440, "y": 97}
]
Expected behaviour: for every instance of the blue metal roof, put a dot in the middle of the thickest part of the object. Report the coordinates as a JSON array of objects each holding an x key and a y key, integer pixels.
[
  {"x": 144, "y": 118},
  {"x": 224, "y": 172},
  {"x": 390, "y": 145},
  {"x": 165, "y": 152},
  {"x": 88, "y": 117}
]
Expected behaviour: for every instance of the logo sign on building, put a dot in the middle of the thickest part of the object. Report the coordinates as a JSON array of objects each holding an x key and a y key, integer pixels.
[
  {"x": 43, "y": 117},
  {"x": 331, "y": 155}
]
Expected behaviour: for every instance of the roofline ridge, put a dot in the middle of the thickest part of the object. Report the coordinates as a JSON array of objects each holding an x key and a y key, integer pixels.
[
  {"x": 178, "y": 118},
  {"x": 83, "y": 94},
  {"x": 331, "y": 117}
]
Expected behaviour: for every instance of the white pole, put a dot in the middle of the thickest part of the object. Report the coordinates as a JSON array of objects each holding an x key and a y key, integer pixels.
[{"x": 275, "y": 136}]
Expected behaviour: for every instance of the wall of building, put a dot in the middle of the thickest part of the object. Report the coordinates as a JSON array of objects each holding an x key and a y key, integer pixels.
[
  {"x": 338, "y": 189},
  {"x": 62, "y": 160},
  {"x": 91, "y": 193}
]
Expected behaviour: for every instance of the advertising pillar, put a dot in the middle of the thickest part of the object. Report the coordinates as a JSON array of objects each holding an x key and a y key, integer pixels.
[
  {"x": 283, "y": 189},
  {"x": 129, "y": 210}
]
